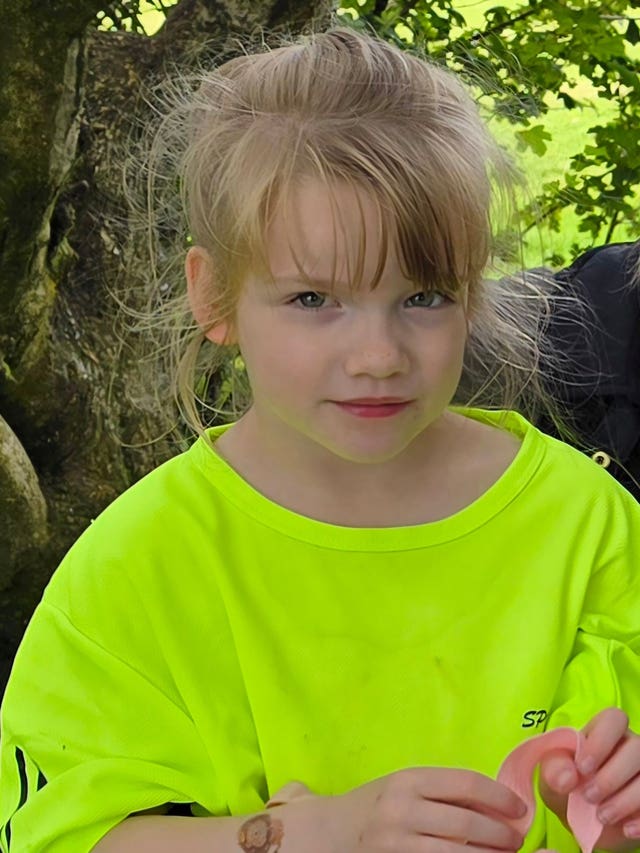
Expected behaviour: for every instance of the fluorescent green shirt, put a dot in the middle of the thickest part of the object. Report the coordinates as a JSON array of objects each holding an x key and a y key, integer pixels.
[{"x": 201, "y": 644}]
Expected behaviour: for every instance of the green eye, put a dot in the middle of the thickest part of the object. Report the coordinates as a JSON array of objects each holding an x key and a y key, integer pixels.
[
  {"x": 434, "y": 299},
  {"x": 310, "y": 300}
]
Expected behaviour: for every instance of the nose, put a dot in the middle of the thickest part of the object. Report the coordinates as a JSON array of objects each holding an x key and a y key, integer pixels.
[{"x": 376, "y": 349}]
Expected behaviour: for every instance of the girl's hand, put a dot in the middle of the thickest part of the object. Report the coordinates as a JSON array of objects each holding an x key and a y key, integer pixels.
[
  {"x": 610, "y": 768},
  {"x": 426, "y": 810}
]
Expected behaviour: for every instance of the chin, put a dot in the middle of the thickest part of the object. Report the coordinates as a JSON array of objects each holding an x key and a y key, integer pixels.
[{"x": 366, "y": 455}]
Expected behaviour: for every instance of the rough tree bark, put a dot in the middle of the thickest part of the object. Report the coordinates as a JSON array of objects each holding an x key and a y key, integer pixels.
[{"x": 67, "y": 93}]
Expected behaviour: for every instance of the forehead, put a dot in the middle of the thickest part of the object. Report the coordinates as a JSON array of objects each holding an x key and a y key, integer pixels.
[{"x": 326, "y": 231}]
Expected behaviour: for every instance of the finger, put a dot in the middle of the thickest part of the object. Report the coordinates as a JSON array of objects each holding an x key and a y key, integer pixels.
[
  {"x": 602, "y": 734},
  {"x": 622, "y": 805},
  {"x": 558, "y": 771},
  {"x": 468, "y": 789},
  {"x": 614, "y": 774},
  {"x": 631, "y": 827},
  {"x": 465, "y": 826}
]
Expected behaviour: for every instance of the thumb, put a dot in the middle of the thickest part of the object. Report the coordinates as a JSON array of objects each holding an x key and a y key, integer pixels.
[
  {"x": 558, "y": 777},
  {"x": 290, "y": 791},
  {"x": 558, "y": 771}
]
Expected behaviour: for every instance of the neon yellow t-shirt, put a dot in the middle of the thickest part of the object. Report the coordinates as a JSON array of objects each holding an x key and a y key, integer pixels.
[{"x": 201, "y": 644}]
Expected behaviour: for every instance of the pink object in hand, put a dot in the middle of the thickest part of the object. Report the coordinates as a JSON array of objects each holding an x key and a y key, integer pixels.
[{"x": 516, "y": 773}]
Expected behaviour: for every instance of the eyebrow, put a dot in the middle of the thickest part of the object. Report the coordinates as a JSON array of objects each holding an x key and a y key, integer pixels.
[{"x": 310, "y": 280}]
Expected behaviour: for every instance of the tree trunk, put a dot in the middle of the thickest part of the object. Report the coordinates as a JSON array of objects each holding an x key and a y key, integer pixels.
[{"x": 69, "y": 444}]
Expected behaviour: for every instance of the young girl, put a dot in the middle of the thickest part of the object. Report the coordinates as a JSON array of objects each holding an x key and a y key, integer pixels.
[{"x": 357, "y": 585}]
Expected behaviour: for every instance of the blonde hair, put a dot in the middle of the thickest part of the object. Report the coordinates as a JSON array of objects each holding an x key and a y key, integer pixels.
[{"x": 344, "y": 107}]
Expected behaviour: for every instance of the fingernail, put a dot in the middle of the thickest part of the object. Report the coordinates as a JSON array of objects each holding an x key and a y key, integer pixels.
[
  {"x": 592, "y": 793},
  {"x": 607, "y": 815},
  {"x": 565, "y": 780},
  {"x": 522, "y": 809},
  {"x": 631, "y": 830},
  {"x": 587, "y": 765}
]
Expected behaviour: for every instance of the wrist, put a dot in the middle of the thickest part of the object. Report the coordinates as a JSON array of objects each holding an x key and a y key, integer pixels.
[{"x": 310, "y": 825}]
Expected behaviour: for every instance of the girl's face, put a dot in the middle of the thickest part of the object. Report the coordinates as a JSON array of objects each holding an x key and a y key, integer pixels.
[{"x": 312, "y": 354}]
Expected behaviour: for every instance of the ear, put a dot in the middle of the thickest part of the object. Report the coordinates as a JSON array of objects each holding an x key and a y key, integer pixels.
[{"x": 201, "y": 288}]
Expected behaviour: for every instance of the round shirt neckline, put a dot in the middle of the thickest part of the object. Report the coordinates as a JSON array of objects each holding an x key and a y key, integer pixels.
[{"x": 254, "y": 504}]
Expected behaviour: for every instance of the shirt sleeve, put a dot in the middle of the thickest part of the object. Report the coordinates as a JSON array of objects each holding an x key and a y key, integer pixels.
[
  {"x": 604, "y": 667},
  {"x": 86, "y": 741}
]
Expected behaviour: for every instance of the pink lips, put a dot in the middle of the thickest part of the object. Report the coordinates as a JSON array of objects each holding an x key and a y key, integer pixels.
[{"x": 373, "y": 407}]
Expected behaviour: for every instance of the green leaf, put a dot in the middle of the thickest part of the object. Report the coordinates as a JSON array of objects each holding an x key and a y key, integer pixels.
[
  {"x": 535, "y": 138},
  {"x": 633, "y": 33},
  {"x": 569, "y": 102}
]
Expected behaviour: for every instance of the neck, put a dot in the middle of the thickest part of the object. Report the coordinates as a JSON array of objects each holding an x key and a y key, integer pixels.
[{"x": 305, "y": 477}]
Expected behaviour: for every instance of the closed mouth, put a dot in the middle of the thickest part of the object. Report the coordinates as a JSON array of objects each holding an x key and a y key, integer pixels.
[{"x": 374, "y": 401}]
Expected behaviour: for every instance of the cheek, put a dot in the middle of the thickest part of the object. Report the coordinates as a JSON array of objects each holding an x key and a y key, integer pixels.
[
  {"x": 445, "y": 346},
  {"x": 278, "y": 361},
  {"x": 459, "y": 335}
]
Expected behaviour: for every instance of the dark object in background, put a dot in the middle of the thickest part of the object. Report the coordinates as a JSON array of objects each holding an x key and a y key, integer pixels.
[{"x": 600, "y": 381}]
